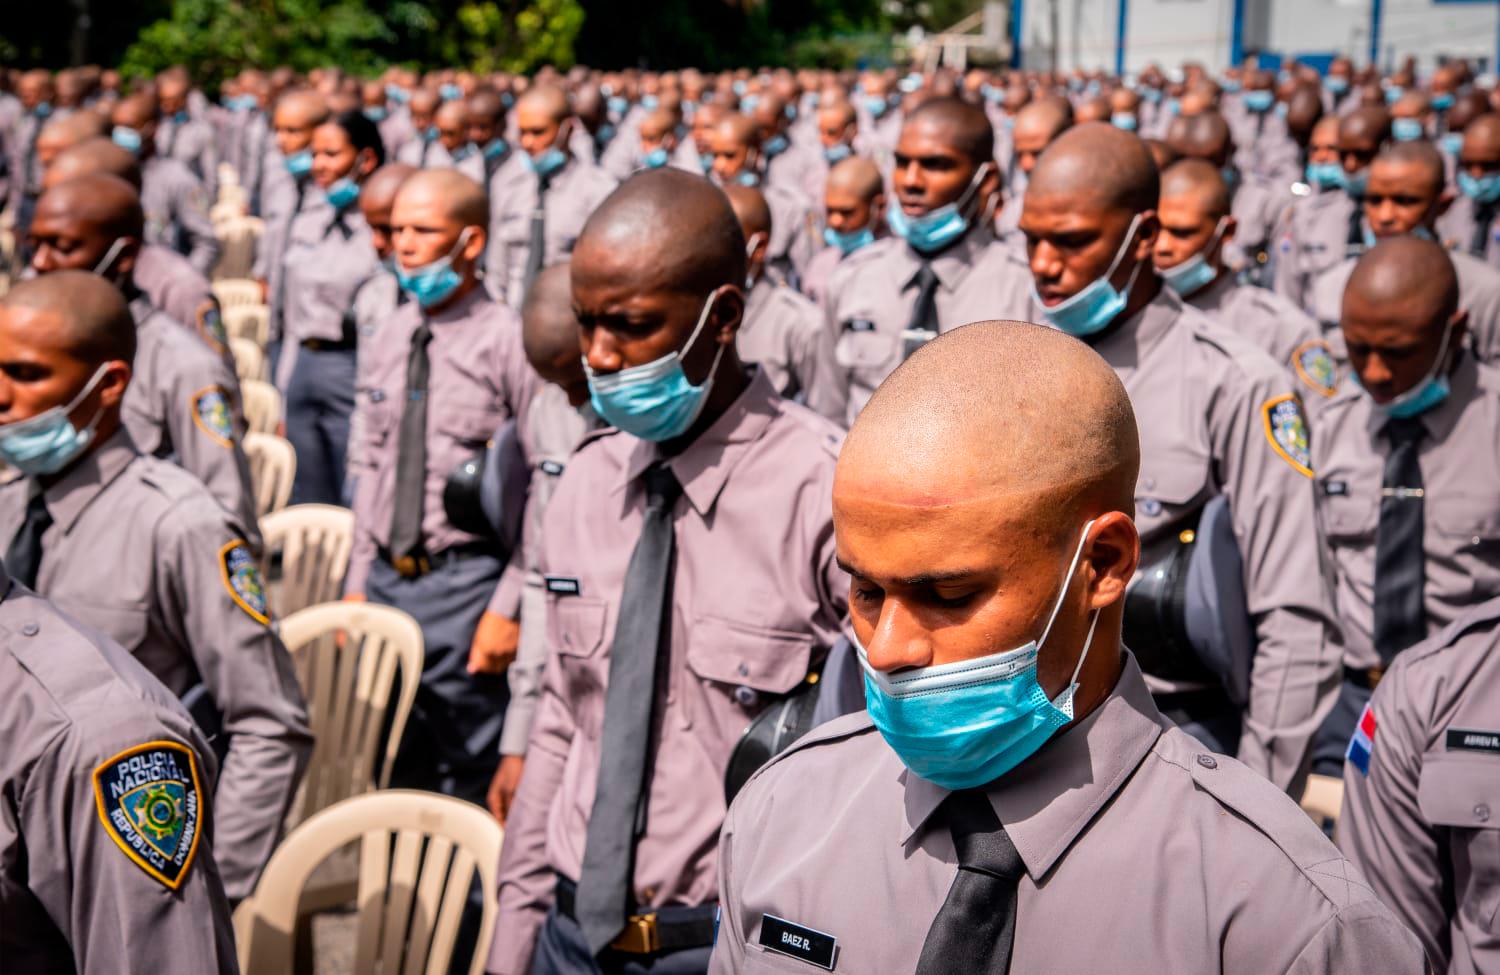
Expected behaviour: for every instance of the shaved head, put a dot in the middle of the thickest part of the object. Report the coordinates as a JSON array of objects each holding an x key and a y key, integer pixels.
[
  {"x": 106, "y": 204},
  {"x": 1199, "y": 180},
  {"x": 74, "y": 128},
  {"x": 94, "y": 156},
  {"x": 1204, "y": 136},
  {"x": 858, "y": 176},
  {"x": 1102, "y": 162},
  {"x": 1424, "y": 157},
  {"x": 750, "y": 209},
  {"x": 997, "y": 408},
  {"x": 740, "y": 130},
  {"x": 464, "y": 200},
  {"x": 548, "y": 100},
  {"x": 380, "y": 189},
  {"x": 1407, "y": 277},
  {"x": 89, "y": 314},
  {"x": 303, "y": 108},
  {"x": 964, "y": 125},
  {"x": 678, "y": 228},
  {"x": 549, "y": 332}
]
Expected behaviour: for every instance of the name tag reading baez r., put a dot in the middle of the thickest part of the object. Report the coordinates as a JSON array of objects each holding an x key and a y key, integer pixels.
[{"x": 785, "y": 938}]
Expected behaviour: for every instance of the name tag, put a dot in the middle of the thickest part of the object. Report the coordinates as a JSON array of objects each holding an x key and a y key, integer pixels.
[
  {"x": 1335, "y": 489},
  {"x": 859, "y": 325},
  {"x": 562, "y": 585},
  {"x": 805, "y": 944},
  {"x": 1474, "y": 741},
  {"x": 551, "y": 467}
]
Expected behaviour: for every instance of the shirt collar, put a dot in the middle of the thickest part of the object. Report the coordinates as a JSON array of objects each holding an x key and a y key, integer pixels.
[
  {"x": 1130, "y": 343},
  {"x": 71, "y": 493},
  {"x": 1213, "y": 297},
  {"x": 460, "y": 309},
  {"x": 1439, "y": 421},
  {"x": 953, "y": 264},
  {"x": 1049, "y": 799},
  {"x": 704, "y": 465}
]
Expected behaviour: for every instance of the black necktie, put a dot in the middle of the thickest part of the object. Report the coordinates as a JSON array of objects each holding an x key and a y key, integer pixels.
[
  {"x": 1484, "y": 215},
  {"x": 536, "y": 246},
  {"x": 924, "y": 317},
  {"x": 24, "y": 557},
  {"x": 644, "y": 627},
  {"x": 1354, "y": 240},
  {"x": 171, "y": 139},
  {"x": 1400, "y": 570},
  {"x": 976, "y": 928},
  {"x": 411, "y": 450}
]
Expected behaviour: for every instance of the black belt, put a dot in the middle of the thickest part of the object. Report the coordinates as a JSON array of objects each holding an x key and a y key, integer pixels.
[
  {"x": 649, "y": 933},
  {"x": 416, "y": 566},
  {"x": 1364, "y": 677},
  {"x": 329, "y": 345}
]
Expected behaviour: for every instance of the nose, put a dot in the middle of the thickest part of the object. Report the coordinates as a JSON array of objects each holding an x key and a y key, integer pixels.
[
  {"x": 1045, "y": 262},
  {"x": 600, "y": 351},
  {"x": 897, "y": 642},
  {"x": 1375, "y": 372}
]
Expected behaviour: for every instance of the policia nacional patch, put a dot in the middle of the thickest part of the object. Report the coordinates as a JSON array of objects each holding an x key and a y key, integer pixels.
[
  {"x": 1286, "y": 429},
  {"x": 150, "y": 805},
  {"x": 211, "y": 326},
  {"x": 1316, "y": 367},
  {"x": 211, "y": 413},
  {"x": 241, "y": 577}
]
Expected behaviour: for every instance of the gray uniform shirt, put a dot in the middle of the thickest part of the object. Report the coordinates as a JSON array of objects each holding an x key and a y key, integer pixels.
[
  {"x": 72, "y": 899},
  {"x": 139, "y": 550},
  {"x": 1460, "y": 460},
  {"x": 195, "y": 145},
  {"x": 784, "y": 332},
  {"x": 176, "y": 207},
  {"x": 573, "y": 193},
  {"x": 175, "y": 288},
  {"x": 1314, "y": 238},
  {"x": 1419, "y": 812},
  {"x": 1457, "y": 226},
  {"x": 282, "y": 199},
  {"x": 1266, "y": 319},
  {"x": 183, "y": 404},
  {"x": 1144, "y": 853}
]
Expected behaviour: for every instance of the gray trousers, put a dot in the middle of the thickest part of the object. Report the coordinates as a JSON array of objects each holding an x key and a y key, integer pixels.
[{"x": 319, "y": 402}]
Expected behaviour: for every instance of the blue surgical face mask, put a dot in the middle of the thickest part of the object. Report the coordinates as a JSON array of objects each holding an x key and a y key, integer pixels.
[
  {"x": 48, "y": 442},
  {"x": 450, "y": 92},
  {"x": 126, "y": 138},
  {"x": 1443, "y": 101},
  {"x": 1393, "y": 94},
  {"x": 1325, "y": 175},
  {"x": 550, "y": 161},
  {"x": 1174, "y": 106},
  {"x": 1453, "y": 143},
  {"x": 430, "y": 134},
  {"x": 42, "y": 110},
  {"x": 837, "y": 152},
  {"x": 1230, "y": 175},
  {"x": 1337, "y": 84},
  {"x": 1259, "y": 100},
  {"x": 1123, "y": 120},
  {"x": 706, "y": 163},
  {"x": 1099, "y": 302},
  {"x": 605, "y": 134},
  {"x": 617, "y": 105},
  {"x": 936, "y": 229},
  {"x": 495, "y": 148},
  {"x": 299, "y": 163},
  {"x": 343, "y": 192},
  {"x": 1231, "y": 86},
  {"x": 375, "y": 113},
  {"x": 1152, "y": 95},
  {"x": 1482, "y": 190},
  {"x": 507, "y": 99},
  {"x": 965, "y": 724},
  {"x": 739, "y": 86},
  {"x": 464, "y": 152},
  {"x": 649, "y": 102},
  {"x": 1406, "y": 129},
  {"x": 396, "y": 94},
  {"x": 876, "y": 105},
  {"x": 749, "y": 104},
  {"x": 1195, "y": 273},
  {"x": 180, "y": 117},
  {"x": 1355, "y": 185},
  {"x": 775, "y": 145},
  {"x": 1425, "y": 395},
  {"x": 655, "y": 159},
  {"x": 1420, "y": 231},
  {"x": 655, "y": 401},
  {"x": 850, "y": 241},
  {"x": 432, "y": 284}
]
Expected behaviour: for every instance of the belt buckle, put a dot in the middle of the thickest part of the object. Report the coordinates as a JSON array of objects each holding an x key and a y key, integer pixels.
[
  {"x": 411, "y": 566},
  {"x": 640, "y": 936},
  {"x": 1373, "y": 675}
]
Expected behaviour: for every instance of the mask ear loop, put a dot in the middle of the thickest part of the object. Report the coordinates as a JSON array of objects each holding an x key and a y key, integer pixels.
[
  {"x": 1066, "y": 697},
  {"x": 708, "y": 307}
]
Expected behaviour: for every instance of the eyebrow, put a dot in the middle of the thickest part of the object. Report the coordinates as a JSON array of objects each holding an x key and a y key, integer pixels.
[{"x": 918, "y": 581}]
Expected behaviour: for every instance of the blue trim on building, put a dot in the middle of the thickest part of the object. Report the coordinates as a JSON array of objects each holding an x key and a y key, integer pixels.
[
  {"x": 1017, "y": 31},
  {"x": 1376, "y": 8},
  {"x": 1237, "y": 34},
  {"x": 1120, "y": 37}
]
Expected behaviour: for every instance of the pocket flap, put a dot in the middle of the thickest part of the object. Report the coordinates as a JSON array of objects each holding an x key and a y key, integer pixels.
[
  {"x": 575, "y": 624},
  {"x": 866, "y": 350},
  {"x": 1346, "y": 517},
  {"x": 1460, "y": 789},
  {"x": 471, "y": 424},
  {"x": 1178, "y": 479},
  {"x": 1464, "y": 517},
  {"x": 729, "y": 652}
]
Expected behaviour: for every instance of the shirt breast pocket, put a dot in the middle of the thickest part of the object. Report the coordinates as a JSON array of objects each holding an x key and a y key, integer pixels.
[
  {"x": 1467, "y": 529},
  {"x": 470, "y": 427},
  {"x": 1461, "y": 791},
  {"x": 126, "y": 623},
  {"x": 861, "y": 347},
  {"x": 745, "y": 655},
  {"x": 1168, "y": 492},
  {"x": 1349, "y": 520},
  {"x": 575, "y": 630}
]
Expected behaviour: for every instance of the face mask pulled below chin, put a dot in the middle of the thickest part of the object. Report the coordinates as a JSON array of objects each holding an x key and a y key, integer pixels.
[
  {"x": 848, "y": 241},
  {"x": 1099, "y": 303},
  {"x": 936, "y": 229},
  {"x": 48, "y": 442},
  {"x": 432, "y": 284},
  {"x": 1425, "y": 395},
  {"x": 550, "y": 161},
  {"x": 655, "y": 401},
  {"x": 965, "y": 724},
  {"x": 1195, "y": 273}
]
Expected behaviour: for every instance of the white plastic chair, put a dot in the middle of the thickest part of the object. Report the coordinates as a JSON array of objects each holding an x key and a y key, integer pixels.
[
  {"x": 273, "y": 466},
  {"x": 262, "y": 404},
  {"x": 233, "y": 292},
  {"x": 250, "y": 322},
  {"x": 239, "y": 235},
  {"x": 249, "y": 358},
  {"x": 419, "y": 852},
  {"x": 314, "y": 541}
]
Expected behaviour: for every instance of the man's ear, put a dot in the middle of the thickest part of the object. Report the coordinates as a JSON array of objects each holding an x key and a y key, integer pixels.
[
  {"x": 1146, "y": 230},
  {"x": 478, "y": 237},
  {"x": 1444, "y": 201},
  {"x": 728, "y": 314},
  {"x": 125, "y": 263},
  {"x": 1112, "y": 550},
  {"x": 113, "y": 384}
]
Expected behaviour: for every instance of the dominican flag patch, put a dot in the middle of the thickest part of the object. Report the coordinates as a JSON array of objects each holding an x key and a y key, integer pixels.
[{"x": 1363, "y": 742}]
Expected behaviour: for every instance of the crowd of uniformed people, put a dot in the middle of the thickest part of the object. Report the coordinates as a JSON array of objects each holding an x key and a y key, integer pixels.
[{"x": 1071, "y": 466}]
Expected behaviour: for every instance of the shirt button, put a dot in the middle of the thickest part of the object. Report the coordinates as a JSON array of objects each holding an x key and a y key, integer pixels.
[
  {"x": 743, "y": 670},
  {"x": 746, "y": 696},
  {"x": 30, "y": 629},
  {"x": 1482, "y": 813},
  {"x": 1208, "y": 761}
]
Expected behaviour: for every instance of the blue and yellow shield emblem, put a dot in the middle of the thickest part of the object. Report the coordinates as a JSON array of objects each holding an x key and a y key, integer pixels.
[
  {"x": 211, "y": 326},
  {"x": 212, "y": 414},
  {"x": 1316, "y": 367},
  {"x": 241, "y": 577},
  {"x": 150, "y": 804},
  {"x": 1286, "y": 429}
]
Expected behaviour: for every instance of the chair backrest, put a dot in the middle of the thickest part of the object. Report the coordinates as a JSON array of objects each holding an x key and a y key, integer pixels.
[
  {"x": 237, "y": 291},
  {"x": 273, "y": 465},
  {"x": 251, "y": 322},
  {"x": 1322, "y": 800},
  {"x": 238, "y": 235},
  {"x": 262, "y": 405},
  {"x": 347, "y": 656},
  {"x": 314, "y": 541},
  {"x": 418, "y": 854},
  {"x": 249, "y": 358}
]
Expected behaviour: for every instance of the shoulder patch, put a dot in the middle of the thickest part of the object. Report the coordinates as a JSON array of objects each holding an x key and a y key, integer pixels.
[
  {"x": 211, "y": 414},
  {"x": 1315, "y": 365},
  {"x": 241, "y": 577},
  {"x": 150, "y": 804},
  {"x": 1286, "y": 430},
  {"x": 211, "y": 326}
]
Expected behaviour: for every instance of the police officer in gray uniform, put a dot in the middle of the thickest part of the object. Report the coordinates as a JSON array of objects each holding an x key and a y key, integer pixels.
[
  {"x": 176, "y": 202},
  {"x": 106, "y": 831},
  {"x": 1469, "y": 224},
  {"x": 1011, "y": 776},
  {"x": 1408, "y": 462},
  {"x": 139, "y": 549},
  {"x": 180, "y": 136},
  {"x": 183, "y": 403},
  {"x": 1419, "y": 791}
]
